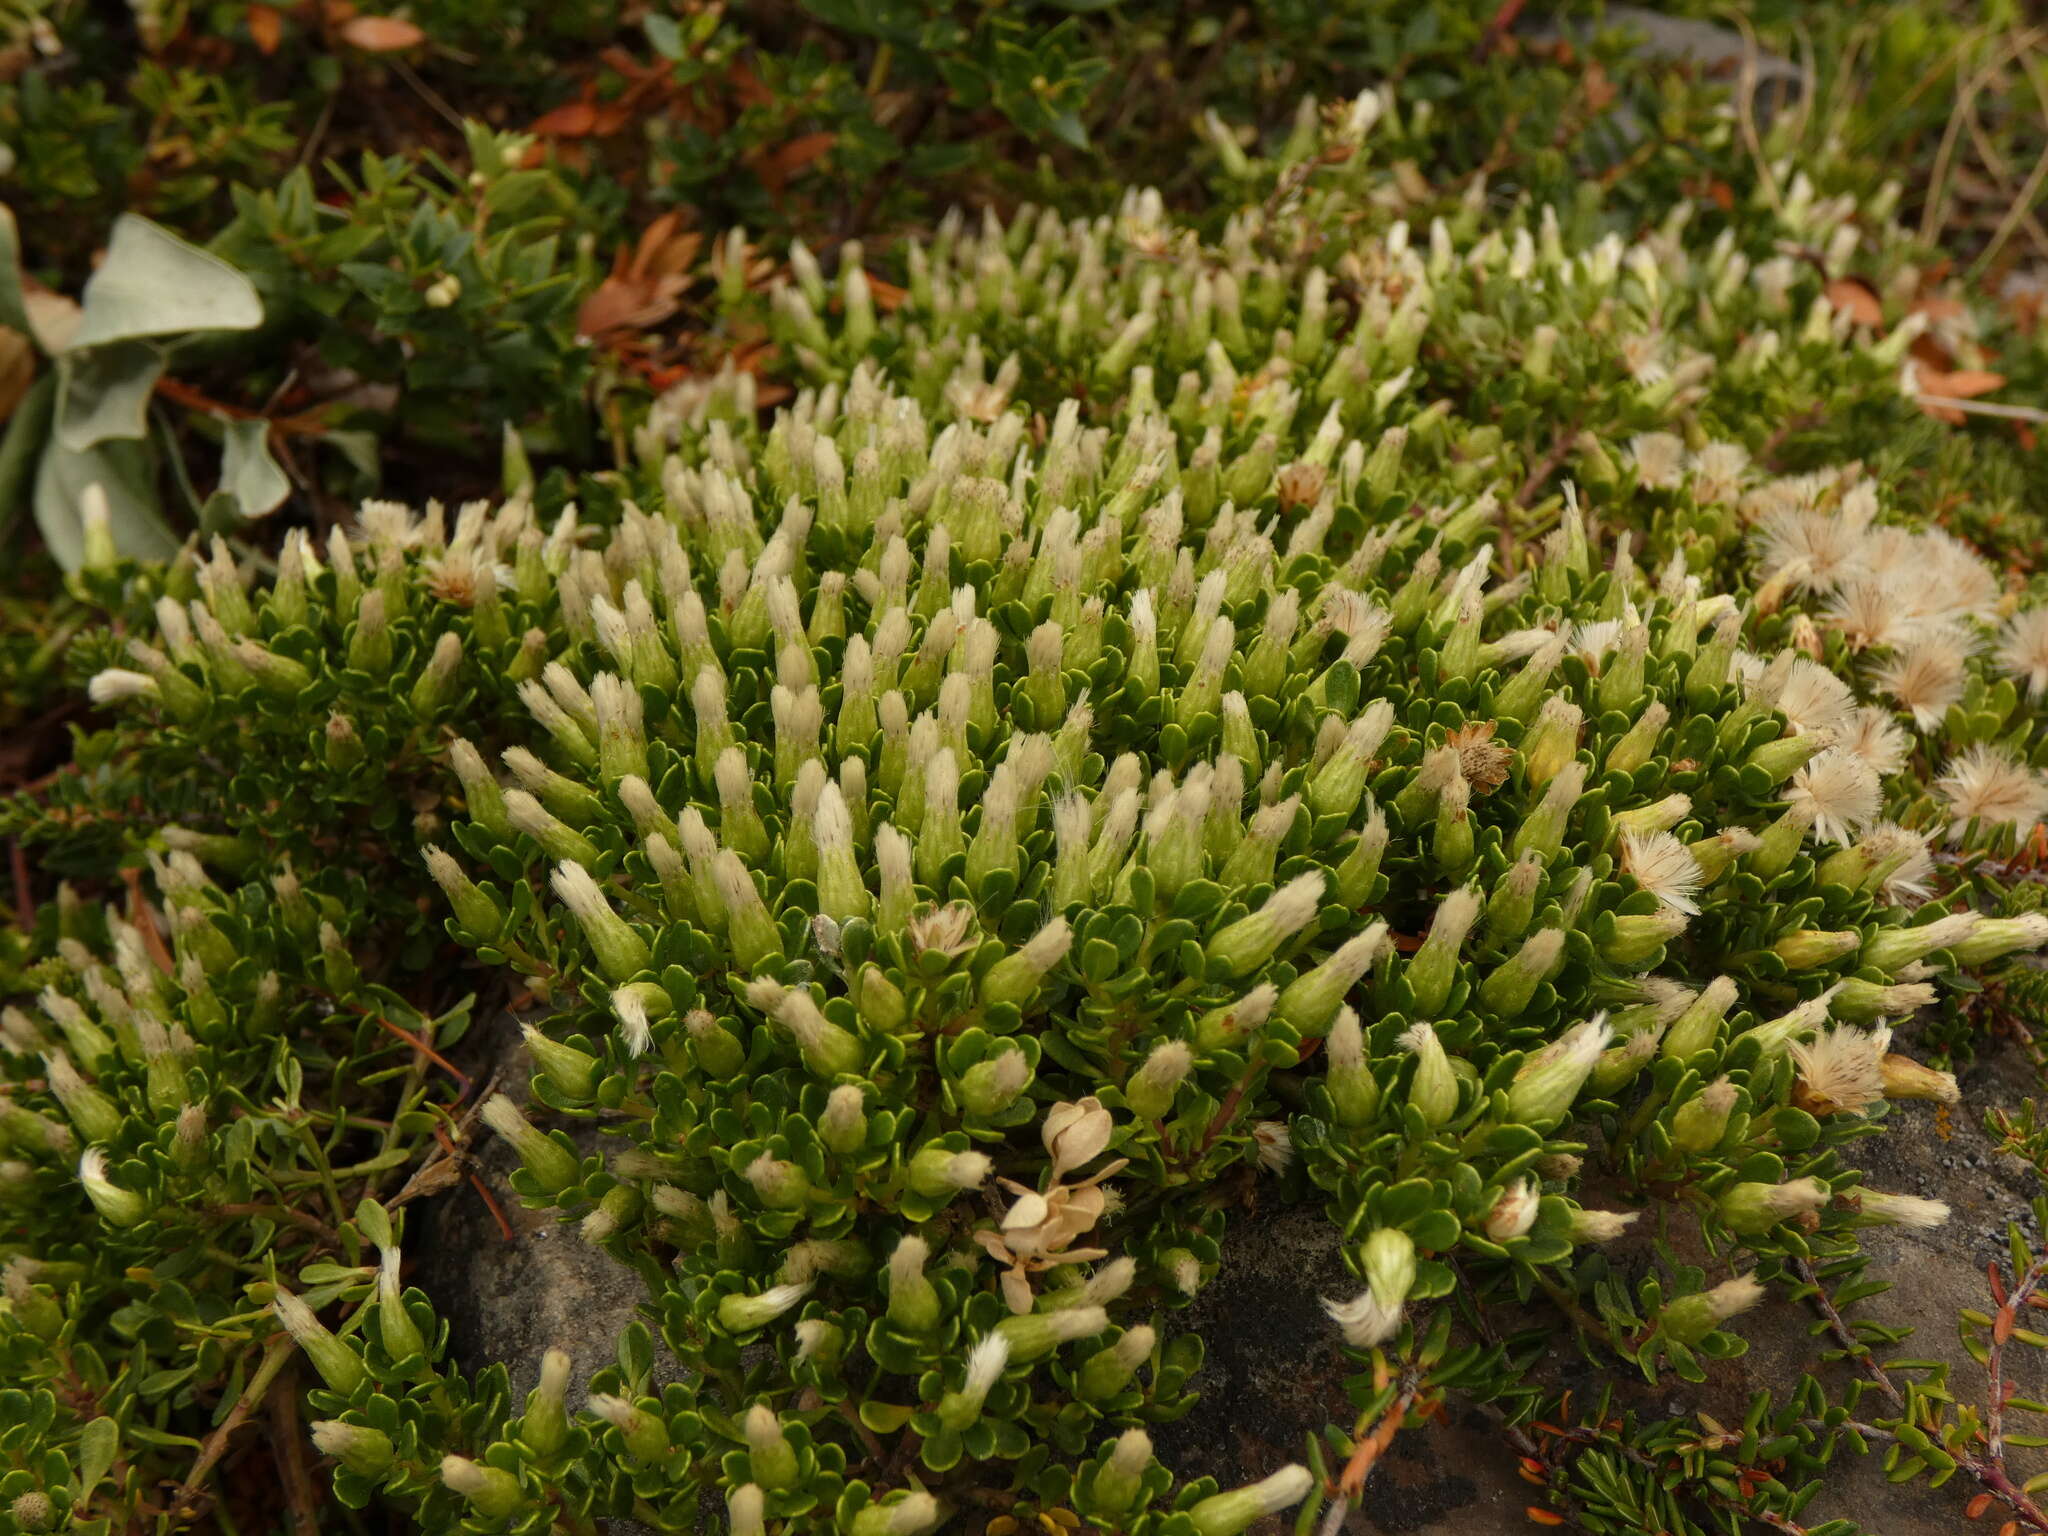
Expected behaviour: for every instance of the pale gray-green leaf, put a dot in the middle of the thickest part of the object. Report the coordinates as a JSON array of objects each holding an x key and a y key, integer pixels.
[
  {"x": 247, "y": 471},
  {"x": 154, "y": 284},
  {"x": 125, "y": 469},
  {"x": 106, "y": 392}
]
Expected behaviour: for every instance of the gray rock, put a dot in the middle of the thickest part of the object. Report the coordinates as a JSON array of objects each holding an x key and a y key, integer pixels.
[
  {"x": 544, "y": 1289},
  {"x": 1716, "y": 51}
]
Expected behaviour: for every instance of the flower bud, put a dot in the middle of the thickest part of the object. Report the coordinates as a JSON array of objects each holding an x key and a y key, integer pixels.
[
  {"x": 117, "y": 1207},
  {"x": 646, "y": 1436},
  {"x": 827, "y": 1050},
  {"x": 479, "y": 913},
  {"x": 338, "y": 1364},
  {"x": 1433, "y": 1089},
  {"x": 1514, "y": 1211},
  {"x": 553, "y": 1166},
  {"x": 1542, "y": 830},
  {"x": 1016, "y": 977},
  {"x": 1905, "y": 1078},
  {"x": 1511, "y": 985},
  {"x": 903, "y": 1514},
  {"x": 1698, "y": 1124},
  {"x": 1107, "y": 1372},
  {"x": 1688, "y": 1319},
  {"x": 1225, "y": 1514},
  {"x": 1750, "y": 1209},
  {"x": 1312, "y": 999},
  {"x": 992, "y": 1086},
  {"x": 1433, "y": 968},
  {"x": 1354, "y": 1092},
  {"x": 364, "y": 1451},
  {"x": 1699, "y": 1025},
  {"x": 1151, "y": 1089},
  {"x": 1249, "y": 942},
  {"x": 718, "y": 1053},
  {"x": 742, "y": 1314},
  {"x": 938, "y": 1174},
  {"x": 1121, "y": 1478},
  {"x": 1546, "y": 1084},
  {"x": 491, "y": 1492},
  {"x": 1037, "y": 1334},
  {"x": 770, "y": 1457},
  {"x": 1809, "y": 947},
  {"x": 1891, "y": 950},
  {"x": 985, "y": 1364}
]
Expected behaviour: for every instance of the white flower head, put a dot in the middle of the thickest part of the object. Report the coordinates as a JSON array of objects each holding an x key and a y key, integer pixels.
[
  {"x": 1664, "y": 867},
  {"x": 1841, "y": 791},
  {"x": 1985, "y": 785}
]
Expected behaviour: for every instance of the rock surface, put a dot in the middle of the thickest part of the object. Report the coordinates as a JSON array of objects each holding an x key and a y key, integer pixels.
[{"x": 1272, "y": 1379}]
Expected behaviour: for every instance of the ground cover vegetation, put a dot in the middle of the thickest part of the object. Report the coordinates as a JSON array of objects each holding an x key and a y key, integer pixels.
[{"x": 1459, "y": 652}]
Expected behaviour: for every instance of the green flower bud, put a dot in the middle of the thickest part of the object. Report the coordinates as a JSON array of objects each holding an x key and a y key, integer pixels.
[
  {"x": 938, "y": 1174},
  {"x": 1121, "y": 1477},
  {"x": 1551, "y": 742},
  {"x": 1637, "y": 940},
  {"x": 1689, "y": 1319},
  {"x": 903, "y": 1514},
  {"x": 1751, "y": 1209},
  {"x": 1548, "y": 1082},
  {"x": 1354, "y": 1092},
  {"x": 1433, "y": 968},
  {"x": 770, "y": 1457},
  {"x": 545, "y": 1425},
  {"x": 1542, "y": 830},
  {"x": 338, "y": 1364},
  {"x": 1996, "y": 937},
  {"x": 95, "y": 1115},
  {"x": 1109, "y": 1371},
  {"x": 985, "y": 1362},
  {"x": 1226, "y": 1514},
  {"x": 1809, "y": 947},
  {"x": 553, "y": 1166},
  {"x": 827, "y": 1050},
  {"x": 1891, "y": 950},
  {"x": 492, "y": 1493},
  {"x": 1699, "y": 1025},
  {"x": 1433, "y": 1089},
  {"x": 779, "y": 1184},
  {"x": 1508, "y": 989},
  {"x": 992, "y": 1086},
  {"x": 1151, "y": 1089},
  {"x": 1248, "y": 943},
  {"x": 913, "y": 1300},
  {"x": 364, "y": 1451},
  {"x": 475, "y": 910},
  {"x": 718, "y": 1052},
  {"x": 1016, "y": 977},
  {"x": 1312, "y": 999},
  {"x": 1037, "y": 1334},
  {"x": 396, "y": 1329},
  {"x": 742, "y": 1314},
  {"x": 437, "y": 680},
  {"x": 1360, "y": 866},
  {"x": 117, "y": 1207},
  {"x": 646, "y": 1436},
  {"x": 573, "y": 1073}
]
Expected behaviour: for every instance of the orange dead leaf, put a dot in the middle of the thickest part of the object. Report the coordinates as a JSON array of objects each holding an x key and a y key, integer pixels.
[
  {"x": 646, "y": 285},
  {"x": 1959, "y": 384},
  {"x": 382, "y": 34},
  {"x": 266, "y": 28},
  {"x": 1846, "y": 293},
  {"x": 571, "y": 120},
  {"x": 888, "y": 297},
  {"x": 1543, "y": 1516},
  {"x": 1600, "y": 91},
  {"x": 776, "y": 166}
]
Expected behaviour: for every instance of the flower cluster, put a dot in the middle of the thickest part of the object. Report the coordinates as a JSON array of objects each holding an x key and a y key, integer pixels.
[{"x": 961, "y": 847}]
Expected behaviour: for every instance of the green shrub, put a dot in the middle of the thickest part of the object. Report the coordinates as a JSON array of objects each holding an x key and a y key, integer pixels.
[{"x": 1138, "y": 722}]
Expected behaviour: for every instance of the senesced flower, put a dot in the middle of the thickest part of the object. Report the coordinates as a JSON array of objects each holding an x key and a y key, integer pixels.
[
  {"x": 1841, "y": 1070},
  {"x": 1841, "y": 791},
  {"x": 1985, "y": 785},
  {"x": 1275, "y": 1144},
  {"x": 1873, "y": 735},
  {"x": 2023, "y": 649},
  {"x": 1927, "y": 677},
  {"x": 1663, "y": 866}
]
